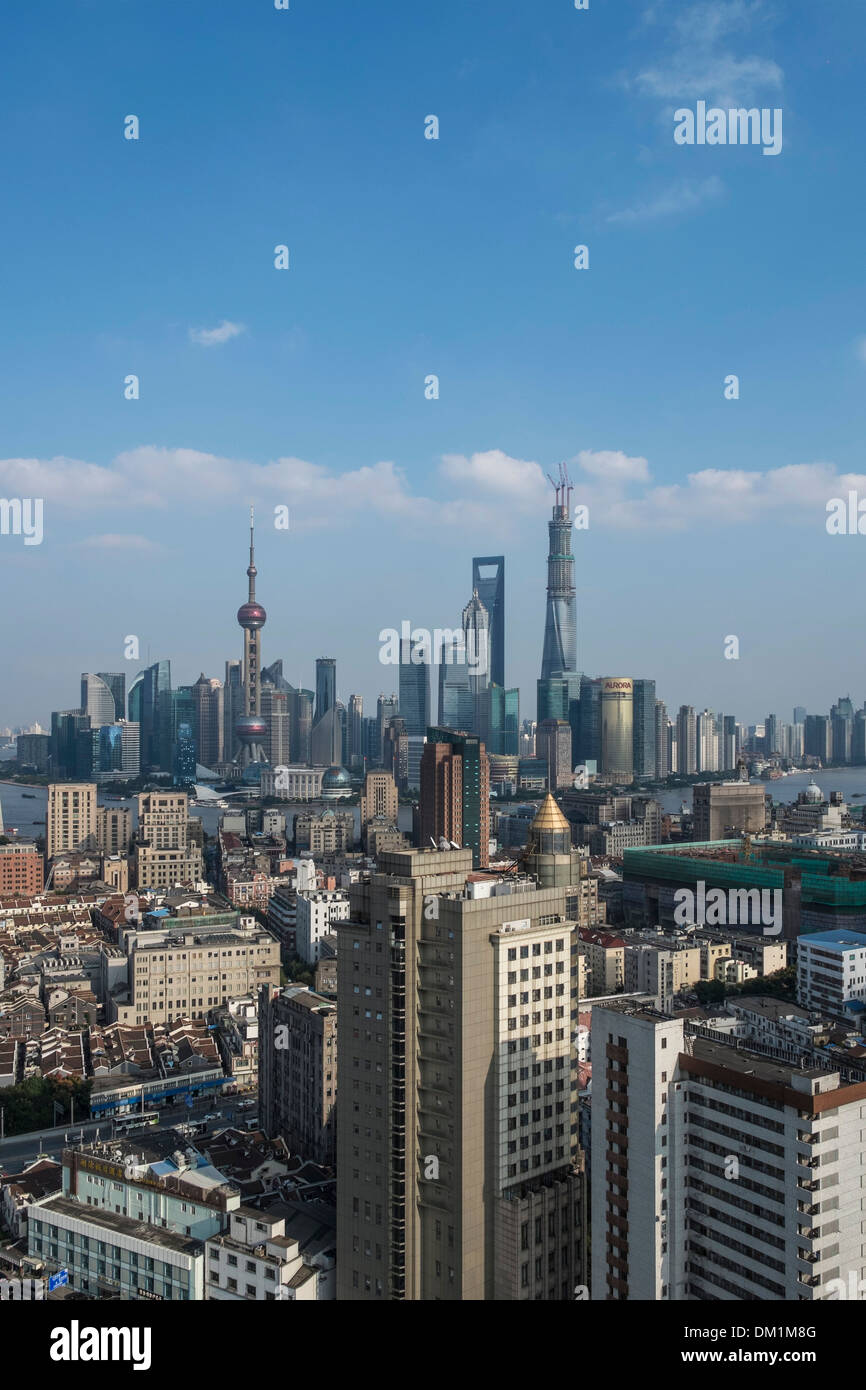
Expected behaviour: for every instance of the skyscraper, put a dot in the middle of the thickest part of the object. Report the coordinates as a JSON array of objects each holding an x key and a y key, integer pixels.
[
  {"x": 97, "y": 700},
  {"x": 617, "y": 728},
  {"x": 476, "y": 639},
  {"x": 208, "y": 695},
  {"x": 456, "y": 701},
  {"x": 553, "y": 744},
  {"x": 155, "y": 681},
  {"x": 450, "y": 1185},
  {"x": 356, "y": 731},
  {"x": 250, "y": 729},
  {"x": 560, "y": 627},
  {"x": 414, "y": 688},
  {"x": 326, "y": 686},
  {"x": 116, "y": 682},
  {"x": 275, "y": 712},
  {"x": 70, "y": 823},
  {"x": 661, "y": 738},
  {"x": 488, "y": 581},
  {"x": 645, "y": 729},
  {"x": 455, "y": 792},
  {"x": 687, "y": 746},
  {"x": 386, "y": 707}
]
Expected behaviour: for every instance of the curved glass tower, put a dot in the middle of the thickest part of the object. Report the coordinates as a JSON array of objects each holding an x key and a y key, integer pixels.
[{"x": 560, "y": 627}]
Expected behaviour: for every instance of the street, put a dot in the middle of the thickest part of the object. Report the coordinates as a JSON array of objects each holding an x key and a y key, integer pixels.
[{"x": 20, "y": 1149}]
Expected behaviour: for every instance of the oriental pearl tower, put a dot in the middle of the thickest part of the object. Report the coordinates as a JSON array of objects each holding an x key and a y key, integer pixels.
[{"x": 250, "y": 728}]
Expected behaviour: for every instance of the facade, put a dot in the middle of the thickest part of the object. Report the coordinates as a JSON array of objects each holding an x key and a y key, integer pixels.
[
  {"x": 454, "y": 997},
  {"x": 70, "y": 817},
  {"x": 298, "y": 1071}
]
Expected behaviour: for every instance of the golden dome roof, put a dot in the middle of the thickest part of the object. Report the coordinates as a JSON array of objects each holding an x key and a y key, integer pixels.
[{"x": 549, "y": 816}]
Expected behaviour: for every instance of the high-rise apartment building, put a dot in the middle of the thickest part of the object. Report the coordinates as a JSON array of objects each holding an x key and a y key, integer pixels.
[
  {"x": 687, "y": 741},
  {"x": 70, "y": 817},
  {"x": 717, "y": 1173},
  {"x": 298, "y": 1071},
  {"x": 458, "y": 1173},
  {"x": 661, "y": 737},
  {"x": 455, "y": 792}
]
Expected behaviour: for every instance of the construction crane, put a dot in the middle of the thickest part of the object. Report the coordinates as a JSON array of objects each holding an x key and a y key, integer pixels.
[{"x": 563, "y": 488}]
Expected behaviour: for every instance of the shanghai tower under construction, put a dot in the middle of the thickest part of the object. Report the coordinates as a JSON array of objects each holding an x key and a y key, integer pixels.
[{"x": 560, "y": 626}]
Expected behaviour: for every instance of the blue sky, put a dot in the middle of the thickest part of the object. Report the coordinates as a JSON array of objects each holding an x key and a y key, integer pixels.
[{"x": 412, "y": 257}]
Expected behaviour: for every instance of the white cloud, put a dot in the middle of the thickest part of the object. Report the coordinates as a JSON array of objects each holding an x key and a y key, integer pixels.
[
  {"x": 114, "y": 541},
  {"x": 488, "y": 489},
  {"x": 212, "y": 337},
  {"x": 493, "y": 470},
  {"x": 613, "y": 465},
  {"x": 685, "y": 196},
  {"x": 698, "y": 64}
]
